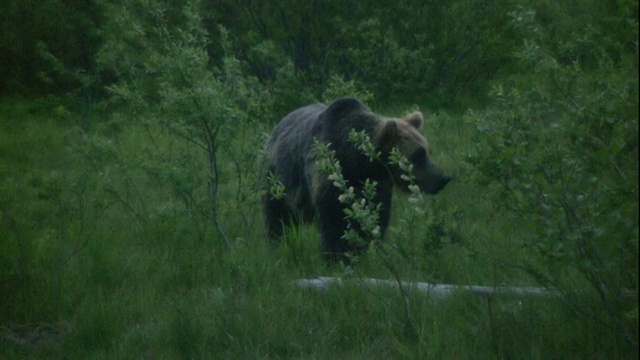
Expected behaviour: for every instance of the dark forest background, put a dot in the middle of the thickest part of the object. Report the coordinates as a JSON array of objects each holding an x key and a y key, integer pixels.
[{"x": 444, "y": 53}]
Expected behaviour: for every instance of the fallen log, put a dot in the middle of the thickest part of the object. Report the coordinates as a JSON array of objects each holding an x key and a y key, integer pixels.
[{"x": 436, "y": 291}]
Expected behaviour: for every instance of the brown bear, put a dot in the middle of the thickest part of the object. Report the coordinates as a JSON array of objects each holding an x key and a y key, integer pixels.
[{"x": 308, "y": 193}]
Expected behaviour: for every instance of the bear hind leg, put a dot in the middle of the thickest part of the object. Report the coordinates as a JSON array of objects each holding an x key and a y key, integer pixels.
[{"x": 278, "y": 216}]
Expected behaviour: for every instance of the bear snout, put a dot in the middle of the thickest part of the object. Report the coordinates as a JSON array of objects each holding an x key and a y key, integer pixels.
[
  {"x": 435, "y": 184},
  {"x": 443, "y": 182},
  {"x": 433, "y": 181}
]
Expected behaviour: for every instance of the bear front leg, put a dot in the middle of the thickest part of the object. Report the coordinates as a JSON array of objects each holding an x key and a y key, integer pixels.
[{"x": 332, "y": 225}]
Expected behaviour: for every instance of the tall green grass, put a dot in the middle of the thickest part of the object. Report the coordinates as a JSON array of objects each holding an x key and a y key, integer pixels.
[{"x": 107, "y": 253}]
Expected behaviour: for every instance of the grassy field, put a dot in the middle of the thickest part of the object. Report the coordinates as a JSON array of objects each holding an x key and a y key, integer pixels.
[{"x": 107, "y": 252}]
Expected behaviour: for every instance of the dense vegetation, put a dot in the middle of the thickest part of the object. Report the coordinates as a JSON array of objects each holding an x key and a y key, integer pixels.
[{"x": 130, "y": 177}]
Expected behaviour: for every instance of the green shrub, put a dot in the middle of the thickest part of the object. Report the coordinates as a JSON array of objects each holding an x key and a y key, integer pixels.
[{"x": 560, "y": 152}]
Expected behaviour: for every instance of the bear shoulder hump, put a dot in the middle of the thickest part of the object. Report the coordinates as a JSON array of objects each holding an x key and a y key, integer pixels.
[{"x": 345, "y": 106}]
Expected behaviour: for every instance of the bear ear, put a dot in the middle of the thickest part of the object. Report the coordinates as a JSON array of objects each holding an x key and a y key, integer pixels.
[
  {"x": 386, "y": 136},
  {"x": 415, "y": 119}
]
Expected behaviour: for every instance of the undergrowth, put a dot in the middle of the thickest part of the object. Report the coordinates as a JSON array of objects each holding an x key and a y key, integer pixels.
[{"x": 103, "y": 258}]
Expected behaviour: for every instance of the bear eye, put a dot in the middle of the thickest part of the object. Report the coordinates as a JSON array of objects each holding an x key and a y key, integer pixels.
[{"x": 419, "y": 156}]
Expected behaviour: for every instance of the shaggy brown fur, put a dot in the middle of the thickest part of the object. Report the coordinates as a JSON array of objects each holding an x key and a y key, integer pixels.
[{"x": 309, "y": 194}]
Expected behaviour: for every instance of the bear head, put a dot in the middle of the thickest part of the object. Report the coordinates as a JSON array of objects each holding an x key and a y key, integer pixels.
[{"x": 404, "y": 134}]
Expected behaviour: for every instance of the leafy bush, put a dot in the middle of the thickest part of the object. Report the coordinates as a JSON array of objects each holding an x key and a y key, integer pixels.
[
  {"x": 166, "y": 77},
  {"x": 560, "y": 150}
]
